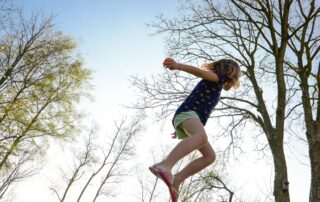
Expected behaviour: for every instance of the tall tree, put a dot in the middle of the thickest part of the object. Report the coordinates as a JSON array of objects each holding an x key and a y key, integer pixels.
[
  {"x": 41, "y": 81},
  {"x": 257, "y": 34},
  {"x": 305, "y": 46}
]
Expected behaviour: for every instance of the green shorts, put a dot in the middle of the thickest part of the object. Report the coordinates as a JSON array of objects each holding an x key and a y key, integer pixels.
[{"x": 181, "y": 117}]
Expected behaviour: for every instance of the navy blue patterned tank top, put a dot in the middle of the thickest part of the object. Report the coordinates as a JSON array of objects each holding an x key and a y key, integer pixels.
[{"x": 203, "y": 98}]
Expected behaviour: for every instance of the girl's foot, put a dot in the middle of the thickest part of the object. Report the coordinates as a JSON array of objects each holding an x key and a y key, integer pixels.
[{"x": 166, "y": 176}]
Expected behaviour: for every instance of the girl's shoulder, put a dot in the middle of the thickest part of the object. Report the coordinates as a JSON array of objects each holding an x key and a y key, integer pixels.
[{"x": 221, "y": 76}]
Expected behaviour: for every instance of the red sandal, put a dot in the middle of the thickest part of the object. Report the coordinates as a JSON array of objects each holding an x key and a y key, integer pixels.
[{"x": 165, "y": 176}]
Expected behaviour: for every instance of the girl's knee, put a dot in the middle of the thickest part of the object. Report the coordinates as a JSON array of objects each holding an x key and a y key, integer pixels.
[{"x": 210, "y": 158}]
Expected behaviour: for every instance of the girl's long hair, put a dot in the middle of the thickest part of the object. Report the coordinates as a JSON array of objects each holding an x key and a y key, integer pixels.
[{"x": 229, "y": 68}]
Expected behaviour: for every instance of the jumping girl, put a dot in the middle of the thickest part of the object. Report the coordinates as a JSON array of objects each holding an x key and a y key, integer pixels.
[{"x": 192, "y": 115}]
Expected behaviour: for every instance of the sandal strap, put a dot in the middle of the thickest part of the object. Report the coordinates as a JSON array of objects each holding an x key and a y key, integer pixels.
[{"x": 164, "y": 171}]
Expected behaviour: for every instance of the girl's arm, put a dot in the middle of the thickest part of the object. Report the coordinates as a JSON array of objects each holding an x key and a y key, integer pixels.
[{"x": 208, "y": 75}]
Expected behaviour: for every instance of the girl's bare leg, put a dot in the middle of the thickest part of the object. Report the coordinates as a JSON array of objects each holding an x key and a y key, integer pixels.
[
  {"x": 196, "y": 140},
  {"x": 208, "y": 157}
]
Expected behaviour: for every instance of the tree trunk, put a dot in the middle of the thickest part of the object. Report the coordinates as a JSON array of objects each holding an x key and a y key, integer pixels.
[
  {"x": 281, "y": 186},
  {"x": 312, "y": 133},
  {"x": 314, "y": 151}
]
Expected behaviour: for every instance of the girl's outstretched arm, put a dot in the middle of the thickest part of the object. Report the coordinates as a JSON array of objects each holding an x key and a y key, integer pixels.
[{"x": 172, "y": 65}]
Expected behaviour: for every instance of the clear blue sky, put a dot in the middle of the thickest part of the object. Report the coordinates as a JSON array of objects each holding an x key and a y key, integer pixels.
[
  {"x": 115, "y": 43},
  {"x": 113, "y": 39}
]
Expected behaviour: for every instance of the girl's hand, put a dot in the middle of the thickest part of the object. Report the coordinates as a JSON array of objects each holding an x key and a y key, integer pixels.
[
  {"x": 174, "y": 135},
  {"x": 170, "y": 63}
]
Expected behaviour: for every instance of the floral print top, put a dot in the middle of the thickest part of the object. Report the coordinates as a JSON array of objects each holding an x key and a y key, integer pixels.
[{"x": 203, "y": 98}]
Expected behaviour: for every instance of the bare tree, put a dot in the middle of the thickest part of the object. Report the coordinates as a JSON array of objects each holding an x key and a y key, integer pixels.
[
  {"x": 149, "y": 186},
  {"x": 96, "y": 170},
  {"x": 257, "y": 34},
  {"x": 208, "y": 187},
  {"x": 305, "y": 45},
  {"x": 122, "y": 150},
  {"x": 82, "y": 160},
  {"x": 147, "y": 189}
]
